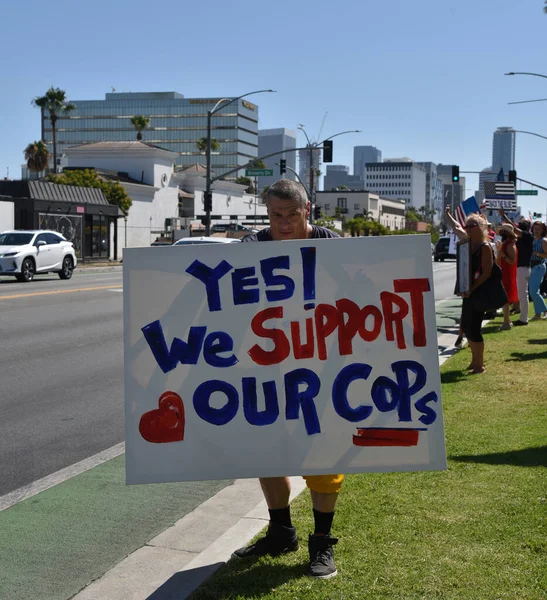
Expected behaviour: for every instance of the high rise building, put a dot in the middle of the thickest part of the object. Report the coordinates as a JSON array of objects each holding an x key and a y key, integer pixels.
[
  {"x": 363, "y": 155},
  {"x": 276, "y": 140},
  {"x": 444, "y": 172},
  {"x": 176, "y": 123},
  {"x": 304, "y": 166},
  {"x": 503, "y": 149},
  {"x": 336, "y": 176},
  {"x": 402, "y": 179},
  {"x": 433, "y": 188}
]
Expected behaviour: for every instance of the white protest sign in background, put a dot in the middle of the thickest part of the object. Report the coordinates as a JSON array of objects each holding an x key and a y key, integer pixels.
[{"x": 281, "y": 358}]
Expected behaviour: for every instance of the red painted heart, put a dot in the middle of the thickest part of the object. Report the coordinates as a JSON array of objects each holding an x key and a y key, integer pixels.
[{"x": 165, "y": 423}]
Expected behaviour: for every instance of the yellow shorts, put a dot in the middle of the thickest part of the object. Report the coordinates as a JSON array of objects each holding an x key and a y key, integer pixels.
[{"x": 324, "y": 484}]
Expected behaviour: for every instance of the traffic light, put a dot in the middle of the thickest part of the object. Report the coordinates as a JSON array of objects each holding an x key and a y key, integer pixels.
[
  {"x": 455, "y": 174},
  {"x": 208, "y": 201},
  {"x": 316, "y": 212},
  {"x": 282, "y": 166},
  {"x": 537, "y": 215},
  {"x": 513, "y": 177},
  {"x": 327, "y": 151}
]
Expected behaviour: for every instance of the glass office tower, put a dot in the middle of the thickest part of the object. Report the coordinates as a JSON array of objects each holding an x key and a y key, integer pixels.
[{"x": 176, "y": 124}]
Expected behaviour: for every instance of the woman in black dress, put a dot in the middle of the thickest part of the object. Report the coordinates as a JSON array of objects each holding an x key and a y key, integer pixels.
[{"x": 482, "y": 260}]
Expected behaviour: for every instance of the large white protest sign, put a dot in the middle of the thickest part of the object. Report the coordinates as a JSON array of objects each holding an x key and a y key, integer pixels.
[{"x": 281, "y": 358}]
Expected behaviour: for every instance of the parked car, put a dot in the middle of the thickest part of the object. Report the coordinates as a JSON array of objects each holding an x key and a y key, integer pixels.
[
  {"x": 190, "y": 241},
  {"x": 441, "y": 249},
  {"x": 233, "y": 229},
  {"x": 27, "y": 253}
]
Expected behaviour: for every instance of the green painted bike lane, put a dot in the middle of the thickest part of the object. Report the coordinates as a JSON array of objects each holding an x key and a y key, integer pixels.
[
  {"x": 58, "y": 541},
  {"x": 55, "y": 543}
]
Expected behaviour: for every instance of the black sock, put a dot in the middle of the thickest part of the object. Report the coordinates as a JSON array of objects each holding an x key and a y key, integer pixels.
[
  {"x": 323, "y": 522},
  {"x": 281, "y": 516}
]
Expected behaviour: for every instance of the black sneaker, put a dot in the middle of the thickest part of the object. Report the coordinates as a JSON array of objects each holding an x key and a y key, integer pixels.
[
  {"x": 278, "y": 540},
  {"x": 519, "y": 323},
  {"x": 322, "y": 556}
]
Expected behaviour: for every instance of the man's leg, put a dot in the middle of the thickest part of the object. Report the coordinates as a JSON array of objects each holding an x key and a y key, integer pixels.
[
  {"x": 281, "y": 535},
  {"x": 324, "y": 491}
]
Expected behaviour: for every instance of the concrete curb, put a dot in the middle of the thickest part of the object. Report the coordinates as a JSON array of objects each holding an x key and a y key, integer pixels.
[
  {"x": 85, "y": 269},
  {"x": 176, "y": 562}
]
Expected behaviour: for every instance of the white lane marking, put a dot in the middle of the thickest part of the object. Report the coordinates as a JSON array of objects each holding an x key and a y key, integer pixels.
[
  {"x": 40, "y": 485},
  {"x": 112, "y": 290},
  {"x": 451, "y": 268}
]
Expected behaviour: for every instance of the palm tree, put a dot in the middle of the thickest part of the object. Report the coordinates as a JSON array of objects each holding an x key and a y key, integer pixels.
[
  {"x": 258, "y": 163},
  {"x": 248, "y": 182},
  {"x": 56, "y": 103},
  {"x": 37, "y": 156},
  {"x": 201, "y": 145},
  {"x": 140, "y": 123}
]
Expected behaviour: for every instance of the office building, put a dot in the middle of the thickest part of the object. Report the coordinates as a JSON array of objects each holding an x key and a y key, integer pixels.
[
  {"x": 444, "y": 172},
  {"x": 176, "y": 124},
  {"x": 363, "y": 155},
  {"x": 503, "y": 150},
  {"x": 277, "y": 140},
  {"x": 336, "y": 176},
  {"x": 403, "y": 179},
  {"x": 433, "y": 189}
]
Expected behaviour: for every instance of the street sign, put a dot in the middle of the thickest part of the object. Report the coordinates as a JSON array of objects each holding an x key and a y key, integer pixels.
[
  {"x": 258, "y": 172},
  {"x": 527, "y": 192}
]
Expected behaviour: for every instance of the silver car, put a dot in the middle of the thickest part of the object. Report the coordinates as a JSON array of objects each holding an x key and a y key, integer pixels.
[{"x": 26, "y": 253}]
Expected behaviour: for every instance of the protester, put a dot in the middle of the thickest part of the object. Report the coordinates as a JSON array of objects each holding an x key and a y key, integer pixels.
[
  {"x": 537, "y": 273},
  {"x": 482, "y": 260},
  {"x": 460, "y": 233},
  {"x": 288, "y": 211},
  {"x": 525, "y": 242},
  {"x": 507, "y": 260}
]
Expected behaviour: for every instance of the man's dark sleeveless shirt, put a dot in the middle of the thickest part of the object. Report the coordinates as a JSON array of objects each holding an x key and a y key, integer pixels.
[{"x": 265, "y": 235}]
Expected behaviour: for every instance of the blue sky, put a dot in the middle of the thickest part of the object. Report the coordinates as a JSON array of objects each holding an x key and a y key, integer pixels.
[{"x": 422, "y": 79}]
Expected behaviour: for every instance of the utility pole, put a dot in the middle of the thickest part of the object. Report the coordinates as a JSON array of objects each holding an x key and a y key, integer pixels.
[
  {"x": 316, "y": 146},
  {"x": 208, "y": 194}
]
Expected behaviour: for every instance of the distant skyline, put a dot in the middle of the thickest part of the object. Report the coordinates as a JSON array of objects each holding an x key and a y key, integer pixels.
[{"x": 431, "y": 81}]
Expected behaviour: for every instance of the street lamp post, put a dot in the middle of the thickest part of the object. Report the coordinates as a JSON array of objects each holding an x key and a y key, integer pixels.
[
  {"x": 314, "y": 146},
  {"x": 208, "y": 196},
  {"x": 525, "y": 73},
  {"x": 532, "y": 75}
]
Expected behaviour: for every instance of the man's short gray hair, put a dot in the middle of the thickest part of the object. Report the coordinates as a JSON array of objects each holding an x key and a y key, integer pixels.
[{"x": 286, "y": 189}]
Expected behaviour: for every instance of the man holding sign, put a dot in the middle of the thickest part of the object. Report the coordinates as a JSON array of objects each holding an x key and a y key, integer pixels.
[
  {"x": 288, "y": 210},
  {"x": 301, "y": 358}
]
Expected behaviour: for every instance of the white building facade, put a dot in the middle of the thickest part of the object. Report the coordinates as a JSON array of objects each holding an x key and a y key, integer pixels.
[
  {"x": 401, "y": 179},
  {"x": 231, "y": 203},
  {"x": 146, "y": 173},
  {"x": 390, "y": 212}
]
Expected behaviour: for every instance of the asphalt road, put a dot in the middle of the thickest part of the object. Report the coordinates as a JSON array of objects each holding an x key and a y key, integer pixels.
[{"x": 61, "y": 370}]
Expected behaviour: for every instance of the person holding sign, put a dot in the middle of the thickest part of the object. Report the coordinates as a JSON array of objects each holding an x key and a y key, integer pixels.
[
  {"x": 288, "y": 211},
  {"x": 482, "y": 261}
]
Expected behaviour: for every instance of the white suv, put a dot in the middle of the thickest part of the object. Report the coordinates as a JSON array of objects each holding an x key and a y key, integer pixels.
[{"x": 26, "y": 253}]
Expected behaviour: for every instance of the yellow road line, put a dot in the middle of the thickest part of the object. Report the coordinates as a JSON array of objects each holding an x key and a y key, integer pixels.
[{"x": 88, "y": 289}]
